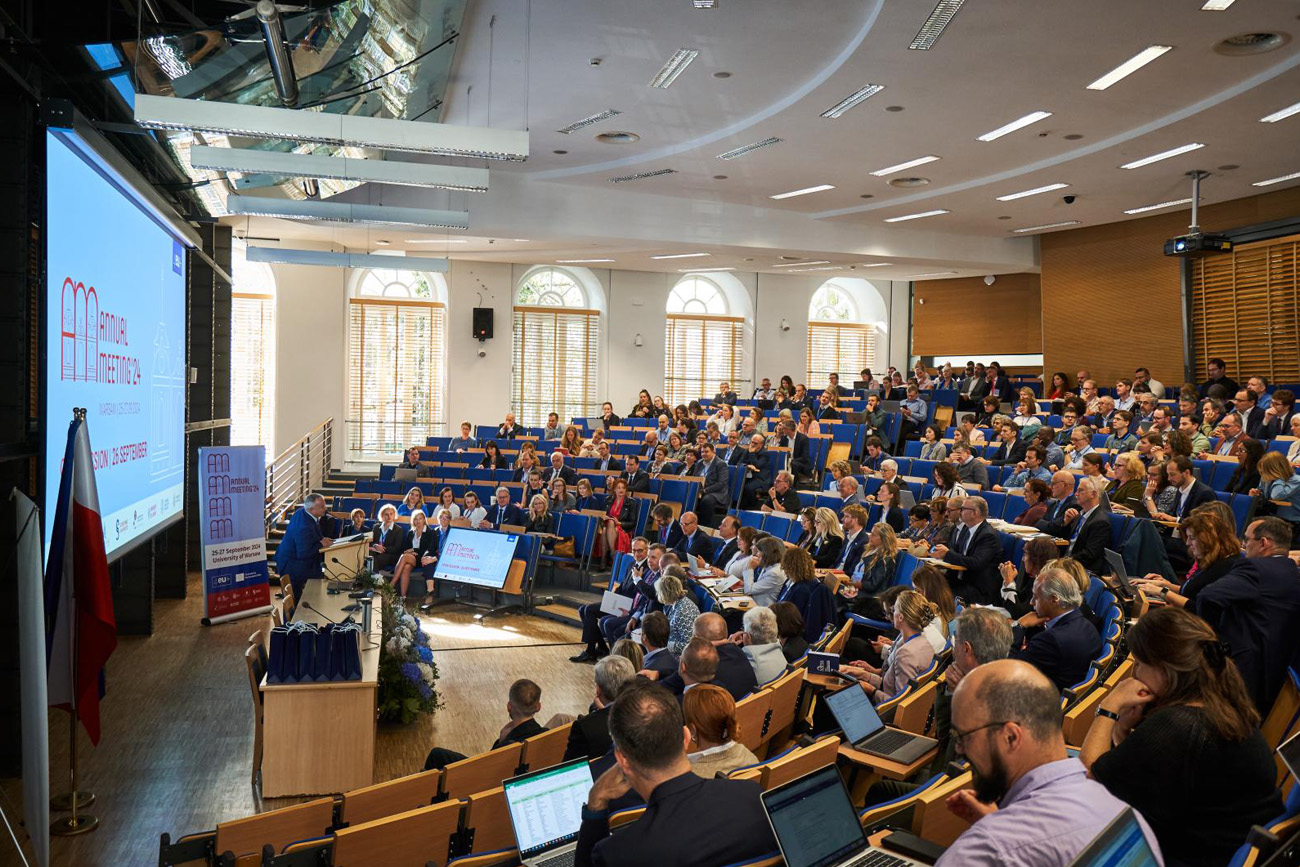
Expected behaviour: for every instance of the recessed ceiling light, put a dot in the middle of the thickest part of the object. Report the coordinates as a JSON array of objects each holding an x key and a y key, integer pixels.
[
  {"x": 1251, "y": 43},
  {"x": 934, "y": 213},
  {"x": 934, "y": 26},
  {"x": 910, "y": 164},
  {"x": 680, "y": 256},
  {"x": 1216, "y": 5},
  {"x": 894, "y": 108},
  {"x": 618, "y": 137},
  {"x": 1073, "y": 136},
  {"x": 719, "y": 177},
  {"x": 1130, "y": 66},
  {"x": 802, "y": 264},
  {"x": 675, "y": 66},
  {"x": 722, "y": 75},
  {"x": 1004, "y": 218},
  {"x": 909, "y": 182},
  {"x": 383, "y": 243},
  {"x": 559, "y": 153},
  {"x": 1163, "y": 155},
  {"x": 1019, "y": 123},
  {"x": 867, "y": 196},
  {"x": 1046, "y": 226},
  {"x": 642, "y": 175},
  {"x": 855, "y": 98},
  {"x": 1281, "y": 114},
  {"x": 702, "y": 270},
  {"x": 805, "y": 191},
  {"x": 580, "y": 261},
  {"x": 588, "y": 121},
  {"x": 1035, "y": 191},
  {"x": 1271, "y": 181},
  {"x": 1145, "y": 208},
  {"x": 932, "y": 274},
  {"x": 748, "y": 149},
  {"x": 1228, "y": 167}
]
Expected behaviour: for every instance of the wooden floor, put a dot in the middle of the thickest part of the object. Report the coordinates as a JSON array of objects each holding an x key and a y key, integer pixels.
[{"x": 177, "y": 727}]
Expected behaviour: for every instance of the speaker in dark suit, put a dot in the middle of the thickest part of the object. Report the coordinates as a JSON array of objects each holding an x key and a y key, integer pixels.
[
  {"x": 298, "y": 555},
  {"x": 981, "y": 555},
  {"x": 1062, "y": 651}
]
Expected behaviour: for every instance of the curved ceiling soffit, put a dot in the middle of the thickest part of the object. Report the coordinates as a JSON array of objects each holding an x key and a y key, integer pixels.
[
  {"x": 1120, "y": 138},
  {"x": 739, "y": 126}
]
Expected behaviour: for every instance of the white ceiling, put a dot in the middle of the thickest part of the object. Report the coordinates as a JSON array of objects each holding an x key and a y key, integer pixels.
[{"x": 527, "y": 65}]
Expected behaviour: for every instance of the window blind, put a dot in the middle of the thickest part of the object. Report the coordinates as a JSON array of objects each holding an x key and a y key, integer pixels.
[
  {"x": 839, "y": 347},
  {"x": 556, "y": 351},
  {"x": 699, "y": 353},
  {"x": 1246, "y": 310},
  {"x": 252, "y": 371},
  {"x": 396, "y": 376}
]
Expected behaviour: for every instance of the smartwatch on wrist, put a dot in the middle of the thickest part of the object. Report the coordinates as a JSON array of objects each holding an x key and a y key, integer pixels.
[{"x": 1108, "y": 714}]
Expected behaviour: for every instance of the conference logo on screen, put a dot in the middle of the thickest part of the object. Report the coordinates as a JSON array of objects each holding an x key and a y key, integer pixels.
[{"x": 94, "y": 345}]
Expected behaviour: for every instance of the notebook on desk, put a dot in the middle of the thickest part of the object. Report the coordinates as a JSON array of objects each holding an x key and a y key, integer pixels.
[
  {"x": 865, "y": 731},
  {"x": 546, "y": 811}
]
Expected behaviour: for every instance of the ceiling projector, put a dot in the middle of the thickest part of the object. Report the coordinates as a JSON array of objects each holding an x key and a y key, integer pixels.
[{"x": 1196, "y": 244}]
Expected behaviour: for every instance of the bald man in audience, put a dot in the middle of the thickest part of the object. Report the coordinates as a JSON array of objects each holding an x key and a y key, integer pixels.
[
  {"x": 1031, "y": 805},
  {"x": 734, "y": 673}
]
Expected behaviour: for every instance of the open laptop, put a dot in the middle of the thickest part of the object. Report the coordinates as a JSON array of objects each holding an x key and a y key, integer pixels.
[
  {"x": 1289, "y": 752},
  {"x": 1122, "y": 844},
  {"x": 1117, "y": 568},
  {"x": 546, "y": 812},
  {"x": 405, "y": 474},
  {"x": 816, "y": 826},
  {"x": 891, "y": 405},
  {"x": 865, "y": 731}
]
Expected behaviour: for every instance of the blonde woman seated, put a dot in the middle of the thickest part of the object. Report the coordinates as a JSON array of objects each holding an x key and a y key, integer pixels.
[
  {"x": 540, "y": 521},
  {"x": 828, "y": 538},
  {"x": 419, "y": 549},
  {"x": 413, "y": 500},
  {"x": 911, "y": 653},
  {"x": 710, "y": 714},
  {"x": 838, "y": 470},
  {"x": 679, "y": 607}
]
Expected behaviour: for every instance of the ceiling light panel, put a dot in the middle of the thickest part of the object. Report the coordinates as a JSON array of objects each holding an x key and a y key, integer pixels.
[
  {"x": 1046, "y": 226},
  {"x": 932, "y": 274},
  {"x": 748, "y": 149},
  {"x": 1271, "y": 181},
  {"x": 822, "y": 268},
  {"x": 902, "y": 167},
  {"x": 1018, "y": 123},
  {"x": 1130, "y": 66},
  {"x": 702, "y": 270},
  {"x": 705, "y": 4},
  {"x": 588, "y": 121},
  {"x": 1145, "y": 208},
  {"x": 680, "y": 256},
  {"x": 1034, "y": 192},
  {"x": 1216, "y": 5},
  {"x": 580, "y": 261},
  {"x": 342, "y": 212},
  {"x": 640, "y": 176},
  {"x": 294, "y": 165},
  {"x": 283, "y": 256},
  {"x": 805, "y": 191},
  {"x": 934, "y": 26},
  {"x": 675, "y": 66},
  {"x": 1163, "y": 155},
  {"x": 802, "y": 264},
  {"x": 340, "y": 130},
  {"x": 1281, "y": 114},
  {"x": 907, "y": 217},
  {"x": 855, "y": 98}
]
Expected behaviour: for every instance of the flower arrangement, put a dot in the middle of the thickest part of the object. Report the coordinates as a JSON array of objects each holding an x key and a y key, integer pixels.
[{"x": 407, "y": 672}]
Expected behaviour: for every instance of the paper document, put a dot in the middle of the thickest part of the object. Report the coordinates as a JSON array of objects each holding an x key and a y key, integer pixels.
[
  {"x": 721, "y": 585},
  {"x": 615, "y": 603}
]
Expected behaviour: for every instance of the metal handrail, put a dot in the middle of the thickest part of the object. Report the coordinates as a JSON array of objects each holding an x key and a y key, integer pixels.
[{"x": 298, "y": 470}]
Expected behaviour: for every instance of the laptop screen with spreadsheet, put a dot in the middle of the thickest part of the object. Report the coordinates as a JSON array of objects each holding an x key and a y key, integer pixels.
[{"x": 546, "y": 806}]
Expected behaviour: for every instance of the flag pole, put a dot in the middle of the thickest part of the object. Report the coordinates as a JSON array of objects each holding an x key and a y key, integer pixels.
[{"x": 71, "y": 826}]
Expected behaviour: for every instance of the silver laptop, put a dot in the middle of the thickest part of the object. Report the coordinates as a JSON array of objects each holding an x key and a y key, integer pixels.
[
  {"x": 815, "y": 825},
  {"x": 865, "y": 731},
  {"x": 1118, "y": 569},
  {"x": 546, "y": 812},
  {"x": 405, "y": 474},
  {"x": 1122, "y": 844}
]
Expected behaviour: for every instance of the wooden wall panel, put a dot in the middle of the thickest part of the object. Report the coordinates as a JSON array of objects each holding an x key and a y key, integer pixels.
[
  {"x": 965, "y": 317},
  {"x": 1117, "y": 280}
]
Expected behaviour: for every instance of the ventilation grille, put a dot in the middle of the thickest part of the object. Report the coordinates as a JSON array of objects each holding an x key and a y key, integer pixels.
[
  {"x": 642, "y": 176},
  {"x": 749, "y": 148},
  {"x": 588, "y": 121}
]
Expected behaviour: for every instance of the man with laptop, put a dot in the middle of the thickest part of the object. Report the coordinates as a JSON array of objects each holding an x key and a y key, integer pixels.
[{"x": 688, "y": 820}]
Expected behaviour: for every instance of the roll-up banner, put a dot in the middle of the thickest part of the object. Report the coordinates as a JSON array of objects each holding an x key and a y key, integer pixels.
[{"x": 232, "y": 512}]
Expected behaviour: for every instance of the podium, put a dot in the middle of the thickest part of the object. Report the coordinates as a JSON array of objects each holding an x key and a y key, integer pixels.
[{"x": 343, "y": 560}]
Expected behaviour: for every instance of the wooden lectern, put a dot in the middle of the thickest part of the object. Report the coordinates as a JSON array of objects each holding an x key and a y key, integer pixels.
[{"x": 351, "y": 557}]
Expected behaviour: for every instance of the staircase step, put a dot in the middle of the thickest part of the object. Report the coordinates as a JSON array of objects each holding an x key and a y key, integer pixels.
[
  {"x": 571, "y": 598},
  {"x": 558, "y": 611}
]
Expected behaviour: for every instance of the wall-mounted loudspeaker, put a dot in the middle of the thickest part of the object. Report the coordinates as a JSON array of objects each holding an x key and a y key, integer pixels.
[{"x": 482, "y": 323}]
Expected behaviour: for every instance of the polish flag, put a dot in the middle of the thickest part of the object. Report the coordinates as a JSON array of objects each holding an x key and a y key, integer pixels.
[{"x": 82, "y": 631}]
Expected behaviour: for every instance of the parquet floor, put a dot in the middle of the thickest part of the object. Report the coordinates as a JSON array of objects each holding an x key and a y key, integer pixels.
[{"x": 178, "y": 734}]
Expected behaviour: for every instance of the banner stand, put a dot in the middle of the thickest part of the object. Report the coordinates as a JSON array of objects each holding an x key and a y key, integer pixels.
[
  {"x": 238, "y": 615},
  {"x": 232, "y": 532}
]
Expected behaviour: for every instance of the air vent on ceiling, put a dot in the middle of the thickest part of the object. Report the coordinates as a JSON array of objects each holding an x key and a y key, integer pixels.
[
  {"x": 909, "y": 182},
  {"x": 748, "y": 149},
  {"x": 642, "y": 175},
  {"x": 618, "y": 137},
  {"x": 1251, "y": 43},
  {"x": 588, "y": 121}
]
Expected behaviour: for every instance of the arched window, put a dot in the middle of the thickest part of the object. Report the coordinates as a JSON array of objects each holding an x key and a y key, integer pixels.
[
  {"x": 702, "y": 342},
  {"x": 838, "y": 341},
  {"x": 252, "y": 354},
  {"x": 556, "y": 349},
  {"x": 397, "y": 351}
]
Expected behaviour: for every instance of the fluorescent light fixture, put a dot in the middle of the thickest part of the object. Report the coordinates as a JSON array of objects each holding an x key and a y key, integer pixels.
[
  {"x": 748, "y": 149},
  {"x": 255, "y": 121},
  {"x": 934, "y": 26},
  {"x": 805, "y": 191},
  {"x": 438, "y": 241},
  {"x": 705, "y": 4},
  {"x": 588, "y": 121},
  {"x": 1046, "y": 226},
  {"x": 1130, "y": 66},
  {"x": 283, "y": 256},
  {"x": 855, "y": 98},
  {"x": 1281, "y": 114},
  {"x": 640, "y": 176},
  {"x": 675, "y": 66},
  {"x": 1163, "y": 155},
  {"x": 802, "y": 264},
  {"x": 932, "y": 274},
  {"x": 915, "y": 216},
  {"x": 702, "y": 270},
  {"x": 1271, "y": 181},
  {"x": 910, "y": 164},
  {"x": 876, "y": 265},
  {"x": 580, "y": 261},
  {"x": 1019, "y": 123},
  {"x": 1145, "y": 208},
  {"x": 680, "y": 256},
  {"x": 822, "y": 268},
  {"x": 250, "y": 161},
  {"x": 521, "y": 240},
  {"x": 341, "y": 212},
  {"x": 1035, "y": 191},
  {"x": 1216, "y": 5}
]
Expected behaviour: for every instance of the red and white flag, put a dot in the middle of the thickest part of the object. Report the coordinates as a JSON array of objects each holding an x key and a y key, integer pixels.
[{"x": 81, "y": 629}]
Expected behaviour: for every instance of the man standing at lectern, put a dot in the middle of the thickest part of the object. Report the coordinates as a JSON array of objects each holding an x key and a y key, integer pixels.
[{"x": 299, "y": 554}]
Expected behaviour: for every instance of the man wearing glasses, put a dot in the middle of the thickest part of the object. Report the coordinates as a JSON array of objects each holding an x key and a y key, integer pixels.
[
  {"x": 1032, "y": 803},
  {"x": 975, "y": 546}
]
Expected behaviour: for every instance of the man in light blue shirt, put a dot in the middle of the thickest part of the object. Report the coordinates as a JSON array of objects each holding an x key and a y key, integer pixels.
[
  {"x": 1032, "y": 805},
  {"x": 1030, "y": 468}
]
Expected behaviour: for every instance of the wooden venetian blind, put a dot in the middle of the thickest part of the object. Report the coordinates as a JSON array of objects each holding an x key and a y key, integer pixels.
[
  {"x": 252, "y": 370},
  {"x": 1246, "y": 310},
  {"x": 555, "y": 356},
  {"x": 699, "y": 353},
  {"x": 844, "y": 348},
  {"x": 397, "y": 354}
]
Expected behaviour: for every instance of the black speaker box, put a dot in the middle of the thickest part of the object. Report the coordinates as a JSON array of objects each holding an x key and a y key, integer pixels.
[{"x": 483, "y": 323}]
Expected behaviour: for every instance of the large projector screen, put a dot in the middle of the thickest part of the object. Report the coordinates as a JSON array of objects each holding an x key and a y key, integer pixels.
[{"x": 114, "y": 342}]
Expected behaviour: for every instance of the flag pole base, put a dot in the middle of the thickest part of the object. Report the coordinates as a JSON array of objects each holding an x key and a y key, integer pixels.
[
  {"x": 71, "y": 826},
  {"x": 63, "y": 802}
]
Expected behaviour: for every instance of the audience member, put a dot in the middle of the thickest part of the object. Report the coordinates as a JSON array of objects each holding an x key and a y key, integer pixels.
[
  {"x": 710, "y": 714},
  {"x": 523, "y": 703},
  {"x": 1018, "y": 584},
  {"x": 876, "y": 567},
  {"x": 1068, "y": 643},
  {"x": 734, "y": 673},
  {"x": 1279, "y": 486},
  {"x": 789, "y": 630},
  {"x": 655, "y": 631},
  {"x": 589, "y": 734},
  {"x": 760, "y": 642},
  {"x": 679, "y": 605},
  {"x": 975, "y": 546},
  {"x": 909, "y": 657}
]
